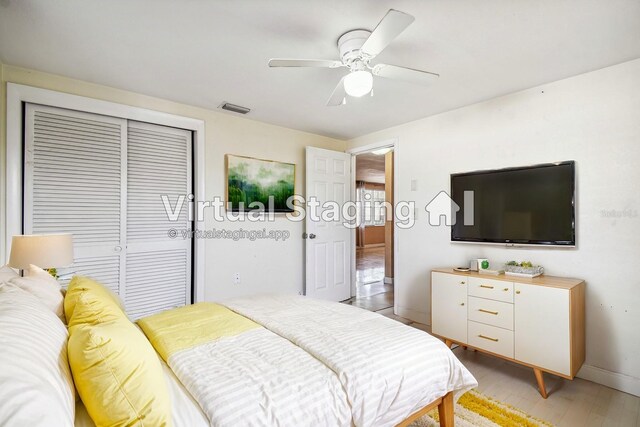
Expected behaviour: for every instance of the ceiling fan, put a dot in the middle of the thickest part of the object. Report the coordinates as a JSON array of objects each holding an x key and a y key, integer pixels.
[{"x": 357, "y": 49}]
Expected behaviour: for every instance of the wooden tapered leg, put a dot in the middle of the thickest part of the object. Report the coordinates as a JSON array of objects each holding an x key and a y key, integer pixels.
[
  {"x": 448, "y": 343},
  {"x": 445, "y": 410},
  {"x": 540, "y": 380}
]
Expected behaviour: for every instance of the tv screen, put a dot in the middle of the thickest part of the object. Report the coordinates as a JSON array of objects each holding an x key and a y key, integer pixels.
[{"x": 523, "y": 205}]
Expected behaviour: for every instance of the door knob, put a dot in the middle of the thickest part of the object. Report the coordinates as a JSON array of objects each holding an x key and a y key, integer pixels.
[
  {"x": 118, "y": 249},
  {"x": 312, "y": 236}
]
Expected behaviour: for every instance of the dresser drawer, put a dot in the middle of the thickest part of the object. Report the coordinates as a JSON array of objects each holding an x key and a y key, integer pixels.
[
  {"x": 490, "y": 338},
  {"x": 495, "y": 313},
  {"x": 491, "y": 289}
]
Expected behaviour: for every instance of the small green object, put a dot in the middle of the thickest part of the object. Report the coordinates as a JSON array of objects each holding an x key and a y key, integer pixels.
[
  {"x": 53, "y": 272},
  {"x": 485, "y": 264}
]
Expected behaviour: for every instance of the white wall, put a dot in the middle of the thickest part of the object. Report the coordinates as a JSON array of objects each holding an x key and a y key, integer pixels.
[
  {"x": 3, "y": 187},
  {"x": 593, "y": 119},
  {"x": 264, "y": 266}
]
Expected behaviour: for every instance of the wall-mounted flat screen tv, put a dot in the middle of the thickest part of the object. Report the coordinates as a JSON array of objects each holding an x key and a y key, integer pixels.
[{"x": 531, "y": 205}]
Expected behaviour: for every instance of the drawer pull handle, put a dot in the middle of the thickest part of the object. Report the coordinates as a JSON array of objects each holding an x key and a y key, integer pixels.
[
  {"x": 462, "y": 283},
  {"x": 488, "y": 311},
  {"x": 518, "y": 292},
  {"x": 486, "y": 286},
  {"x": 488, "y": 338},
  {"x": 461, "y": 303},
  {"x": 505, "y": 289}
]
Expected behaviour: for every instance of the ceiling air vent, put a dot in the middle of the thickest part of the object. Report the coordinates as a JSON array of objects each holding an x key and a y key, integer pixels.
[{"x": 235, "y": 108}]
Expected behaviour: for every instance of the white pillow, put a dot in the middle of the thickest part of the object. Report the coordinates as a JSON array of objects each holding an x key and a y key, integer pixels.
[
  {"x": 7, "y": 273},
  {"x": 36, "y": 384},
  {"x": 43, "y": 286}
]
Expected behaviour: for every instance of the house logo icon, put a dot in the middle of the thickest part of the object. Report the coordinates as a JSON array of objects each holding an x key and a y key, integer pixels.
[{"x": 442, "y": 206}]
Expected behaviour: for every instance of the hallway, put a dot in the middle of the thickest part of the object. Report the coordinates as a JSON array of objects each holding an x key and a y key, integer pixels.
[{"x": 371, "y": 291}]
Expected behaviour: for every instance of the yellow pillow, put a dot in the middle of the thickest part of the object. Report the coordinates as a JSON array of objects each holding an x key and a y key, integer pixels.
[
  {"x": 115, "y": 369},
  {"x": 105, "y": 304}
]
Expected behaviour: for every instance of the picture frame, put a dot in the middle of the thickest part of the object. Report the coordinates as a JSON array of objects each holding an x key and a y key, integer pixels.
[{"x": 250, "y": 183}]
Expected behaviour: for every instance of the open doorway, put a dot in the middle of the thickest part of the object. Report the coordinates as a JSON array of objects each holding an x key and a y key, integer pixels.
[{"x": 374, "y": 237}]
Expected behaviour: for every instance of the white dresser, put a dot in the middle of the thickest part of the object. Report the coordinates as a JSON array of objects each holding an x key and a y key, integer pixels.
[{"x": 535, "y": 322}]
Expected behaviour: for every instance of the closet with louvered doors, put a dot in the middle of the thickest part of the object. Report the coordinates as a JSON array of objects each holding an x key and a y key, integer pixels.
[{"x": 102, "y": 179}]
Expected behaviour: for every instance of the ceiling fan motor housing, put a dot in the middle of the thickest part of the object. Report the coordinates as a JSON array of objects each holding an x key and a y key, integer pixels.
[{"x": 349, "y": 45}]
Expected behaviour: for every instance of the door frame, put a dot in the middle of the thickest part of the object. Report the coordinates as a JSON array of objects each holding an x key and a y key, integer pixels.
[
  {"x": 392, "y": 143},
  {"x": 18, "y": 95}
]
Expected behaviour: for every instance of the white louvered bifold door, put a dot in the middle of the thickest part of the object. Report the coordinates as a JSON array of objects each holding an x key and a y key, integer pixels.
[
  {"x": 75, "y": 182},
  {"x": 158, "y": 268},
  {"x": 102, "y": 179}
]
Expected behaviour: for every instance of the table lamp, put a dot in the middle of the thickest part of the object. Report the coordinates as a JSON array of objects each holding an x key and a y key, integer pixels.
[{"x": 47, "y": 251}]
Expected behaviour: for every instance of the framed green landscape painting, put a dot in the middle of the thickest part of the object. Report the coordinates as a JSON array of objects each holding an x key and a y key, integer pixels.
[{"x": 252, "y": 182}]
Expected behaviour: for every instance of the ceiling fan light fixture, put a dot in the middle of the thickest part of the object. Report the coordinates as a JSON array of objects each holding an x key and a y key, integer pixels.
[{"x": 358, "y": 83}]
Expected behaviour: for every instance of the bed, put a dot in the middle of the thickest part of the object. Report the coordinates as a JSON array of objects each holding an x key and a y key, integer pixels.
[{"x": 284, "y": 360}]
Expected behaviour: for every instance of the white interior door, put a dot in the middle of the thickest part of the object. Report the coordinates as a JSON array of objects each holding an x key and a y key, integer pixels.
[
  {"x": 102, "y": 179},
  {"x": 157, "y": 268},
  {"x": 328, "y": 261},
  {"x": 75, "y": 182}
]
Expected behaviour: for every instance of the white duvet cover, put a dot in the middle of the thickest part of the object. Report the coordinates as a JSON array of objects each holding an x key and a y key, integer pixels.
[
  {"x": 259, "y": 379},
  {"x": 388, "y": 370}
]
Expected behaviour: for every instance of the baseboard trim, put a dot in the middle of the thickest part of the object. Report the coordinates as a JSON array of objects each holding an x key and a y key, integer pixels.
[
  {"x": 622, "y": 382},
  {"x": 416, "y": 316},
  {"x": 372, "y": 245}
]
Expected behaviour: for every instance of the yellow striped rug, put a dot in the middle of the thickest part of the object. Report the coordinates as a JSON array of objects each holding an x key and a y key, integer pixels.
[{"x": 477, "y": 410}]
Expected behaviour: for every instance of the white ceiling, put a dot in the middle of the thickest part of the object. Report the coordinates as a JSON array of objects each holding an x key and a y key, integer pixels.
[{"x": 205, "y": 52}]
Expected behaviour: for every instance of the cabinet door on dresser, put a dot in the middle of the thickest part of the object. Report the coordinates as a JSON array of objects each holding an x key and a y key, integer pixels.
[
  {"x": 542, "y": 336},
  {"x": 449, "y": 306}
]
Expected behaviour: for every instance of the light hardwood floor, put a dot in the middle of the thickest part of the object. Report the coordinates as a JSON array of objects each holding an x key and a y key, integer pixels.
[
  {"x": 371, "y": 291},
  {"x": 574, "y": 403},
  {"x": 369, "y": 265},
  {"x": 570, "y": 403}
]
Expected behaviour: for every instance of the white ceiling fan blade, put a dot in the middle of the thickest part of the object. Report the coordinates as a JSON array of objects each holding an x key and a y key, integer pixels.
[
  {"x": 406, "y": 74},
  {"x": 338, "y": 95},
  {"x": 316, "y": 63},
  {"x": 393, "y": 23}
]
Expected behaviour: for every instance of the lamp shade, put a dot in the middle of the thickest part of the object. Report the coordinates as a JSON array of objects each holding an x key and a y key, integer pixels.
[
  {"x": 43, "y": 250},
  {"x": 358, "y": 83}
]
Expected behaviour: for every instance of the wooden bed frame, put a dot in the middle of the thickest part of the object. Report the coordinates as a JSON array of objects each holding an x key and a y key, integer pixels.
[{"x": 445, "y": 411}]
